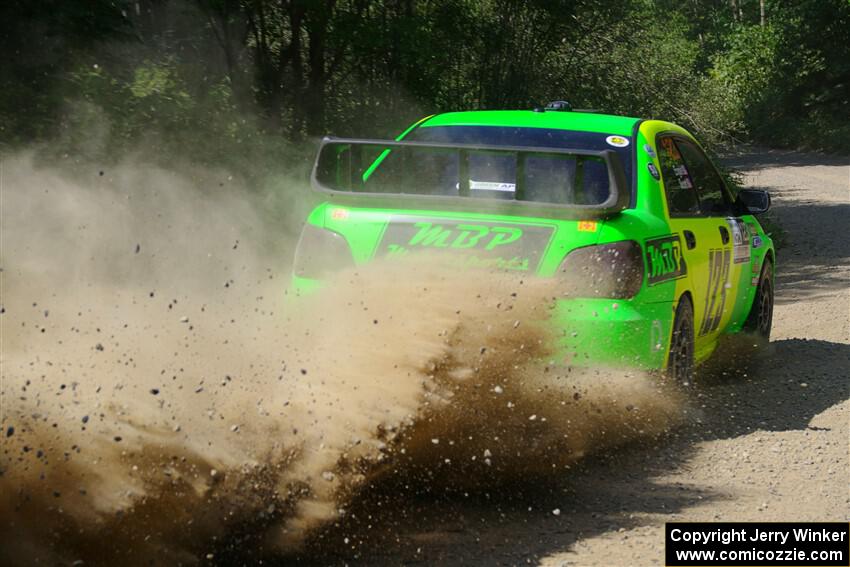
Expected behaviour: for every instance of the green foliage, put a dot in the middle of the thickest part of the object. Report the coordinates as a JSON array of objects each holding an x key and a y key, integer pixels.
[
  {"x": 791, "y": 78},
  {"x": 36, "y": 39},
  {"x": 235, "y": 82},
  {"x": 151, "y": 110},
  {"x": 745, "y": 68}
]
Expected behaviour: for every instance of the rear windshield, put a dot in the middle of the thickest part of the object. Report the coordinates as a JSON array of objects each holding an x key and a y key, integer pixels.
[{"x": 552, "y": 178}]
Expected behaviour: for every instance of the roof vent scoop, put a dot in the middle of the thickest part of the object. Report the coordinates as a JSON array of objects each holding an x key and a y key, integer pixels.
[{"x": 559, "y": 106}]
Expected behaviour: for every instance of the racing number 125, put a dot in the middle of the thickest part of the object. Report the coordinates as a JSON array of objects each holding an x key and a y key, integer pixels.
[{"x": 715, "y": 297}]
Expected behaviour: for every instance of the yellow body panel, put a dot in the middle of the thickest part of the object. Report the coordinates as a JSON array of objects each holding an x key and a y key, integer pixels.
[{"x": 714, "y": 280}]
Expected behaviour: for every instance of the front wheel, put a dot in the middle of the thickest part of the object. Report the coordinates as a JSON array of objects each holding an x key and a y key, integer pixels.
[
  {"x": 760, "y": 319},
  {"x": 680, "y": 364}
]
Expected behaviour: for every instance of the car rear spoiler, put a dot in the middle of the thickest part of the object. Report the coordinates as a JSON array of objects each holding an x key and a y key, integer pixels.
[{"x": 326, "y": 173}]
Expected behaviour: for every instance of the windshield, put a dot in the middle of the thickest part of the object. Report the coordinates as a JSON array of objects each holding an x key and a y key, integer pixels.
[{"x": 551, "y": 178}]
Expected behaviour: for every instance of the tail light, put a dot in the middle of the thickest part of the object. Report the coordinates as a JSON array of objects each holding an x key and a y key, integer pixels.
[
  {"x": 612, "y": 270},
  {"x": 321, "y": 252}
]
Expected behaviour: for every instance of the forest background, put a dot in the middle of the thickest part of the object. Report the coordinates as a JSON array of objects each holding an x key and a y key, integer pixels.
[{"x": 250, "y": 85}]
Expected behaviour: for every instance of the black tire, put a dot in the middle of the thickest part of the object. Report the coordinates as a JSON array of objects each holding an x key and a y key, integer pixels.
[
  {"x": 760, "y": 319},
  {"x": 680, "y": 364}
]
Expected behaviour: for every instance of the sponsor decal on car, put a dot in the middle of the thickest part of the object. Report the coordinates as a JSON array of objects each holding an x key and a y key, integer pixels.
[
  {"x": 339, "y": 214},
  {"x": 683, "y": 177},
  {"x": 664, "y": 259},
  {"x": 653, "y": 171},
  {"x": 718, "y": 283},
  {"x": 740, "y": 240},
  {"x": 656, "y": 336},
  {"x": 492, "y": 186},
  {"x": 670, "y": 149},
  {"x": 474, "y": 244},
  {"x": 617, "y": 141}
]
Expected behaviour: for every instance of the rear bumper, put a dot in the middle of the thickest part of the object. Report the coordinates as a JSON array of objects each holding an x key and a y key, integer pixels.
[
  {"x": 303, "y": 286},
  {"x": 613, "y": 333},
  {"x": 594, "y": 332}
]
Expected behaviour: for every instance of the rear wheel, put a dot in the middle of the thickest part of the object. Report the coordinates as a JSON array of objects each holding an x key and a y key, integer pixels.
[
  {"x": 680, "y": 364},
  {"x": 760, "y": 320}
]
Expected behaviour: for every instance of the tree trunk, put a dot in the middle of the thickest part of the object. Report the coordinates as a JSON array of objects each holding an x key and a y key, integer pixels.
[
  {"x": 314, "y": 104},
  {"x": 293, "y": 55},
  {"x": 228, "y": 22},
  {"x": 267, "y": 72}
]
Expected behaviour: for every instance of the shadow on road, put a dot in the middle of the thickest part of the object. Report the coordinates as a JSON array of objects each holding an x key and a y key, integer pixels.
[
  {"x": 812, "y": 263},
  {"x": 404, "y": 521},
  {"x": 751, "y": 158},
  {"x": 810, "y": 207}
]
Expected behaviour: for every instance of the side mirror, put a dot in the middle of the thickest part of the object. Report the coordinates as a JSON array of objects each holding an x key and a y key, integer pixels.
[{"x": 756, "y": 201}]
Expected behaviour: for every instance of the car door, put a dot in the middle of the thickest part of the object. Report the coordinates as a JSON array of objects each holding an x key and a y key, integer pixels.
[
  {"x": 732, "y": 257},
  {"x": 699, "y": 207}
]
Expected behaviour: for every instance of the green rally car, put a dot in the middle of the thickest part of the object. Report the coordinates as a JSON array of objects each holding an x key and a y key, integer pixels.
[{"x": 660, "y": 258}]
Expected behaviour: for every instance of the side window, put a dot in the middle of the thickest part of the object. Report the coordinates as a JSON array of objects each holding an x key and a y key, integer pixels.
[
  {"x": 678, "y": 184},
  {"x": 709, "y": 185}
]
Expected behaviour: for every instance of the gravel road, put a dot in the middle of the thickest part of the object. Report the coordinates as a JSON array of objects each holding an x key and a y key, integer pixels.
[
  {"x": 770, "y": 444},
  {"x": 767, "y": 441}
]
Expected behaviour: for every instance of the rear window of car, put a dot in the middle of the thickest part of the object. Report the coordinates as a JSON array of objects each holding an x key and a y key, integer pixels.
[{"x": 548, "y": 178}]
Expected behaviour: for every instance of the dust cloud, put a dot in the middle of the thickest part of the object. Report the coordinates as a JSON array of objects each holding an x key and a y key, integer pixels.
[{"x": 164, "y": 398}]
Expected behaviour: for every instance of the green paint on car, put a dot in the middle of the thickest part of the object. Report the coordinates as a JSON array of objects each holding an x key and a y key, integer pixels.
[{"x": 534, "y": 191}]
